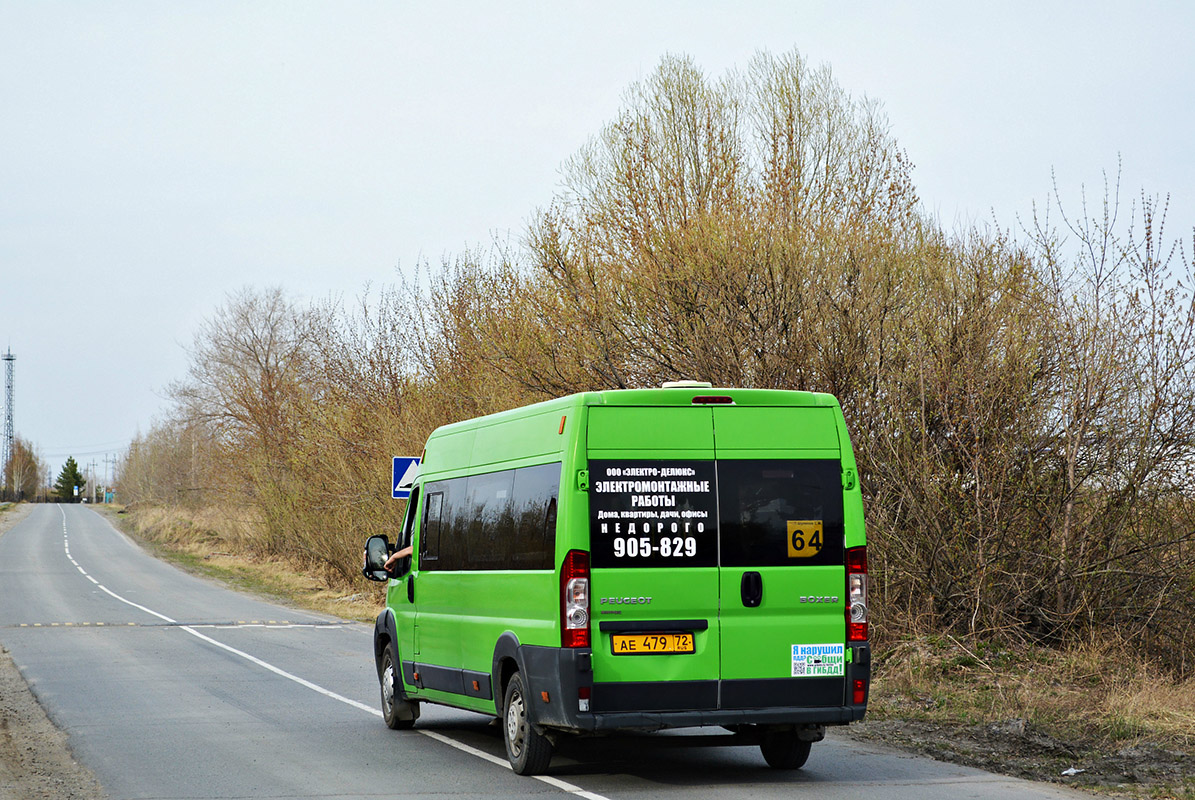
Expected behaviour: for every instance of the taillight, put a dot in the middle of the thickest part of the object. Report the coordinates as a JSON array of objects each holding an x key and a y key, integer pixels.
[
  {"x": 856, "y": 592},
  {"x": 574, "y": 600},
  {"x": 583, "y": 693}
]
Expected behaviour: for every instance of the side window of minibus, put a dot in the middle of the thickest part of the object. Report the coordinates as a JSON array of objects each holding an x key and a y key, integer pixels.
[
  {"x": 489, "y": 530},
  {"x": 430, "y": 539},
  {"x": 535, "y": 493},
  {"x": 408, "y": 523}
]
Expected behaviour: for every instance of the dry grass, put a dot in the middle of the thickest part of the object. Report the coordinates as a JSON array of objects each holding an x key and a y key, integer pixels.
[
  {"x": 221, "y": 544},
  {"x": 1035, "y": 712},
  {"x": 203, "y": 530},
  {"x": 1148, "y": 705},
  {"x": 1097, "y": 692}
]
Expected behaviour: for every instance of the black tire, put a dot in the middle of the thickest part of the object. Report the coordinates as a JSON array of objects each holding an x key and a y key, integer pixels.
[
  {"x": 529, "y": 752},
  {"x": 784, "y": 750},
  {"x": 400, "y": 714}
]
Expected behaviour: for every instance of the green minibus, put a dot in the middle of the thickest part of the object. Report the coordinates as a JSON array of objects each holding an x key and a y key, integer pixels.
[{"x": 633, "y": 560}]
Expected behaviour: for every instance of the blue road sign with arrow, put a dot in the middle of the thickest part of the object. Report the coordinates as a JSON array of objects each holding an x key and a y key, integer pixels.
[{"x": 406, "y": 470}]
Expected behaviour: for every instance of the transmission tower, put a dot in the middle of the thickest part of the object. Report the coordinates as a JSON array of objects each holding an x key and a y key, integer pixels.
[{"x": 9, "y": 358}]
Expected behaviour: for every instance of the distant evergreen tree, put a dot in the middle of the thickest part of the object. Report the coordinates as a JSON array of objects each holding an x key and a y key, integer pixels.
[{"x": 68, "y": 480}]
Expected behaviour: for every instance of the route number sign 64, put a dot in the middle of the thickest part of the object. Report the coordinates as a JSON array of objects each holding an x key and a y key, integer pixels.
[{"x": 804, "y": 538}]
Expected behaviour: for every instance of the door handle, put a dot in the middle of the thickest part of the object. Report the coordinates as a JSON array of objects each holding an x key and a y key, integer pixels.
[
  {"x": 410, "y": 588},
  {"x": 751, "y": 589}
]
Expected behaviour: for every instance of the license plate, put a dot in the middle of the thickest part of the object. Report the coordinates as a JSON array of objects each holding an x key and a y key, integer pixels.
[{"x": 646, "y": 644}]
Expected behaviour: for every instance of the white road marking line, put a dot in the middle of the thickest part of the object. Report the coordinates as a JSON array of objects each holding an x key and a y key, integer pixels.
[
  {"x": 568, "y": 787},
  {"x": 564, "y": 786},
  {"x": 473, "y": 751},
  {"x": 283, "y": 673},
  {"x": 162, "y": 617}
]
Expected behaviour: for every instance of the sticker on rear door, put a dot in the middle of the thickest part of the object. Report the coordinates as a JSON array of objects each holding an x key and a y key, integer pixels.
[
  {"x": 653, "y": 514},
  {"x": 818, "y": 660}
]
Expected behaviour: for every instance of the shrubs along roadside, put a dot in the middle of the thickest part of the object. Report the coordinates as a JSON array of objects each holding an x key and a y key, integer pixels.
[{"x": 1022, "y": 402}]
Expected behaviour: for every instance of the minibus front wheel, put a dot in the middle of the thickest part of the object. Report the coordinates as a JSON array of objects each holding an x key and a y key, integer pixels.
[
  {"x": 400, "y": 714},
  {"x": 529, "y": 751}
]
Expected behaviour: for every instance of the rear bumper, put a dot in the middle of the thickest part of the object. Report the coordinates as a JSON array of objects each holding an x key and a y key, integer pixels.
[
  {"x": 648, "y": 720},
  {"x": 564, "y": 673}
]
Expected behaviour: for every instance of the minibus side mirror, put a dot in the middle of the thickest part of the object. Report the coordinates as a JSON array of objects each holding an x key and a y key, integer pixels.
[{"x": 377, "y": 550}]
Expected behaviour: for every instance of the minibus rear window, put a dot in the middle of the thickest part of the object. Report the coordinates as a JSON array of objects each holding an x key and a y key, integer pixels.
[{"x": 780, "y": 513}]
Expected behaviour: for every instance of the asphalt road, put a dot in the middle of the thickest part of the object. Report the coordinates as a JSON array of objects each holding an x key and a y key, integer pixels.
[{"x": 169, "y": 686}]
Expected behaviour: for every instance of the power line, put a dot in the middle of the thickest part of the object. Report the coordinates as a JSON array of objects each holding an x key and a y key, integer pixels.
[
  {"x": 77, "y": 453},
  {"x": 98, "y": 447}
]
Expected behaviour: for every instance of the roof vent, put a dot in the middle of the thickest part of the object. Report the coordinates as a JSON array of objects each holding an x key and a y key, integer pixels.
[{"x": 687, "y": 385}]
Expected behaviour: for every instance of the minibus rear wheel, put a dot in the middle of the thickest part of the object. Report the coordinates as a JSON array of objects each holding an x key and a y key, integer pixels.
[
  {"x": 400, "y": 714},
  {"x": 784, "y": 749},
  {"x": 529, "y": 752}
]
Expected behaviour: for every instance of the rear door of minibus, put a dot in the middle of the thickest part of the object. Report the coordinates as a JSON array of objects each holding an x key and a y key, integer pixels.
[
  {"x": 653, "y": 551},
  {"x": 782, "y": 578}
]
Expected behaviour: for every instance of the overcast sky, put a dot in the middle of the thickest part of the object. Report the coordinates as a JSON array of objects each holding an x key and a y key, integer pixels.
[{"x": 155, "y": 156}]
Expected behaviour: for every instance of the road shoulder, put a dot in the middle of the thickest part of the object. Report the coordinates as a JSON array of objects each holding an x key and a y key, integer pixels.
[{"x": 35, "y": 758}]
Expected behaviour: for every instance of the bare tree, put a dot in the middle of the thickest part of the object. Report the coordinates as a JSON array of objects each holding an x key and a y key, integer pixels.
[{"x": 25, "y": 470}]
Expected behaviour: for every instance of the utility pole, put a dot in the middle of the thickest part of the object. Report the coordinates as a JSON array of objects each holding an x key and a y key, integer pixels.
[
  {"x": 109, "y": 460},
  {"x": 9, "y": 360}
]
